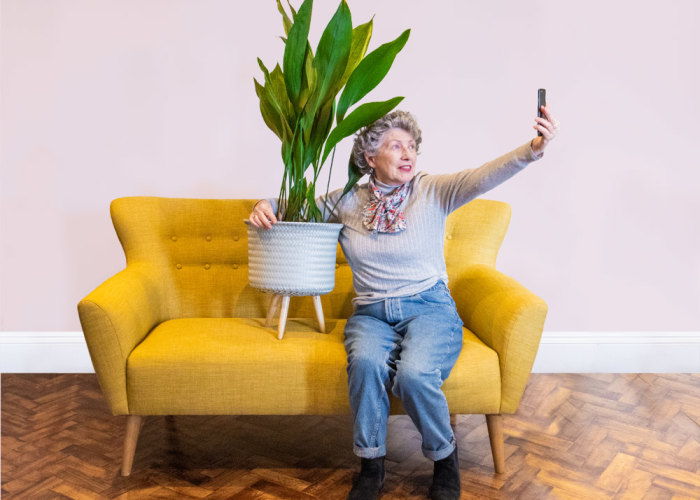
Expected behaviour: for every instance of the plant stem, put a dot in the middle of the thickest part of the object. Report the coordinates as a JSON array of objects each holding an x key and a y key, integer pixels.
[
  {"x": 281, "y": 199},
  {"x": 328, "y": 185},
  {"x": 334, "y": 206}
]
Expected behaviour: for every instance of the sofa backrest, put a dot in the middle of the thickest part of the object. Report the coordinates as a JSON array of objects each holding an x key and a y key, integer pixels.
[{"x": 199, "y": 250}]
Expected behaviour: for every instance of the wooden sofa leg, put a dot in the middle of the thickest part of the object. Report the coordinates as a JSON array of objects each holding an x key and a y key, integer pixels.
[
  {"x": 495, "y": 427},
  {"x": 133, "y": 426}
]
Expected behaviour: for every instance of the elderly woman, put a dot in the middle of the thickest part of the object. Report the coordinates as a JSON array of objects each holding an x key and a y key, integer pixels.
[{"x": 405, "y": 334}]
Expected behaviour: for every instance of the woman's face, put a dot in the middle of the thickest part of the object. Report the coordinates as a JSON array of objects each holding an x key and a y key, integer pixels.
[{"x": 395, "y": 163}]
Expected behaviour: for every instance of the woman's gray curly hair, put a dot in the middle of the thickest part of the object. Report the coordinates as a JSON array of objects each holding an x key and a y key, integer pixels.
[{"x": 370, "y": 139}]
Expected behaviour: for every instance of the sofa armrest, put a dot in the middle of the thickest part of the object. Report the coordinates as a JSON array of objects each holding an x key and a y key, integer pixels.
[
  {"x": 507, "y": 317},
  {"x": 115, "y": 317}
]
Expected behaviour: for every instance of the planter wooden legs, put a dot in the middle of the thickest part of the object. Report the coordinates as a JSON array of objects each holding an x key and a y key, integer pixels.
[
  {"x": 274, "y": 304},
  {"x": 319, "y": 314},
  {"x": 284, "y": 301},
  {"x": 133, "y": 426},
  {"x": 283, "y": 317},
  {"x": 495, "y": 427}
]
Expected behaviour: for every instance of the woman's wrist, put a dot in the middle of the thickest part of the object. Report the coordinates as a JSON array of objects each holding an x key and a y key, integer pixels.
[{"x": 536, "y": 152}]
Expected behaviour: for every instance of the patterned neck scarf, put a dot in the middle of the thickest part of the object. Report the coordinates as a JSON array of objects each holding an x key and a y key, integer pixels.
[{"x": 383, "y": 213}]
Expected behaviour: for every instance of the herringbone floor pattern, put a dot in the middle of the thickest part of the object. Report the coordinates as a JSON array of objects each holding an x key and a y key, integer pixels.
[{"x": 575, "y": 436}]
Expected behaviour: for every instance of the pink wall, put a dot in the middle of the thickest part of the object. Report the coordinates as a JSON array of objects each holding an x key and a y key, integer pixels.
[{"x": 115, "y": 98}]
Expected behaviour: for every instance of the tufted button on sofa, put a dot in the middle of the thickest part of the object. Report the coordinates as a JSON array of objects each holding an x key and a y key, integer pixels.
[{"x": 180, "y": 332}]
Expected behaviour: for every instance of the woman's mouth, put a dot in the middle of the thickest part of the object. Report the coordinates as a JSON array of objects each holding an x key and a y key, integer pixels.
[{"x": 405, "y": 168}]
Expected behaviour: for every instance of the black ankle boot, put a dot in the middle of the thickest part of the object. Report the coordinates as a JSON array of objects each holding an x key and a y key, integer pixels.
[
  {"x": 371, "y": 480},
  {"x": 445, "y": 478}
]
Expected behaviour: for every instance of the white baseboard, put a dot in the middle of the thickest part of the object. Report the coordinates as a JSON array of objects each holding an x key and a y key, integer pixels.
[
  {"x": 618, "y": 352},
  {"x": 560, "y": 352},
  {"x": 44, "y": 352}
]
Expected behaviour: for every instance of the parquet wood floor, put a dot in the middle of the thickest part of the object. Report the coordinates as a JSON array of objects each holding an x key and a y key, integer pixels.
[{"x": 587, "y": 437}]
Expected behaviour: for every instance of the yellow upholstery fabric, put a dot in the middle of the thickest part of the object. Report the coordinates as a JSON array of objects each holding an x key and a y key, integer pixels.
[
  {"x": 179, "y": 330},
  {"x": 200, "y": 248},
  {"x": 115, "y": 318},
  {"x": 237, "y": 366},
  {"x": 508, "y": 318}
]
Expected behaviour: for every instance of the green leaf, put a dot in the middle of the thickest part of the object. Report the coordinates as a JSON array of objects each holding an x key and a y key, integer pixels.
[
  {"x": 314, "y": 212},
  {"x": 289, "y": 153},
  {"x": 294, "y": 51},
  {"x": 332, "y": 55},
  {"x": 354, "y": 175},
  {"x": 286, "y": 22},
  {"x": 322, "y": 126},
  {"x": 308, "y": 78},
  {"x": 276, "y": 96},
  {"x": 278, "y": 91},
  {"x": 298, "y": 155},
  {"x": 371, "y": 70},
  {"x": 263, "y": 69},
  {"x": 269, "y": 114},
  {"x": 360, "y": 41},
  {"x": 361, "y": 117}
]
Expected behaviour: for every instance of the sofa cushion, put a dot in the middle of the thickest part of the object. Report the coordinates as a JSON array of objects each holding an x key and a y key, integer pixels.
[{"x": 237, "y": 366}]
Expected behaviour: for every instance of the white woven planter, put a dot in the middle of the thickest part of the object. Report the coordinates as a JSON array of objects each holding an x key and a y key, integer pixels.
[{"x": 293, "y": 258}]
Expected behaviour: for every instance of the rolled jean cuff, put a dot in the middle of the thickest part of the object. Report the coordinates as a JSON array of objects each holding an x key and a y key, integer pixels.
[
  {"x": 370, "y": 452},
  {"x": 442, "y": 453}
]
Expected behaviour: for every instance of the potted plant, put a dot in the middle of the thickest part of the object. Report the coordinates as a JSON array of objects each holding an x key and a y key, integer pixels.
[{"x": 305, "y": 102}]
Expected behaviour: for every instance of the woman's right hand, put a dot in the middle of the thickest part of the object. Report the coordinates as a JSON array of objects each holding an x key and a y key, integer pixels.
[{"x": 262, "y": 215}]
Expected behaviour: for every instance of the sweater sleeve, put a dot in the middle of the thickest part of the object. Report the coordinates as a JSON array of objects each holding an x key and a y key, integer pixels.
[{"x": 452, "y": 191}]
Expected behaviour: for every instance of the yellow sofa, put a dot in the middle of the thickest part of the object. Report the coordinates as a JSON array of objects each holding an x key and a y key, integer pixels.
[{"x": 180, "y": 331}]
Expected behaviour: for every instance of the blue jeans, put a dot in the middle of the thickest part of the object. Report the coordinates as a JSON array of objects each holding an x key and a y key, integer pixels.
[{"x": 407, "y": 345}]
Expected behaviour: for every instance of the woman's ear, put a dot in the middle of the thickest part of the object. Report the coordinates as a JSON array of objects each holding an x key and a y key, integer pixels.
[{"x": 369, "y": 160}]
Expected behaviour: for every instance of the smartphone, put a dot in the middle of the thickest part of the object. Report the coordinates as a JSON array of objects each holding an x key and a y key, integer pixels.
[{"x": 541, "y": 101}]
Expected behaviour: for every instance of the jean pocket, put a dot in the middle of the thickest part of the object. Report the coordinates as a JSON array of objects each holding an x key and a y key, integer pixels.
[{"x": 435, "y": 296}]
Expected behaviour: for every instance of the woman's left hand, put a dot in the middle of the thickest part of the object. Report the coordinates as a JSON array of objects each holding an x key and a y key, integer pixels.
[{"x": 549, "y": 127}]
